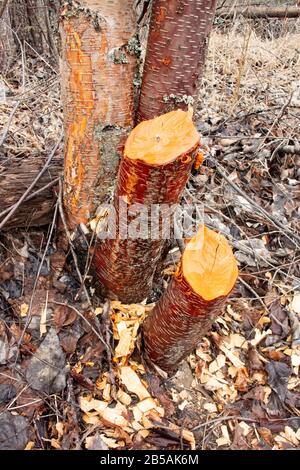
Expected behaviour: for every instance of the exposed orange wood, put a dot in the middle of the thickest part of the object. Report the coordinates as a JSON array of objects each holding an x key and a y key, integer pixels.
[
  {"x": 193, "y": 299},
  {"x": 98, "y": 96},
  {"x": 157, "y": 161}
]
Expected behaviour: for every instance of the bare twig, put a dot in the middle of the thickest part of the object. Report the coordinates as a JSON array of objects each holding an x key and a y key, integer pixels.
[
  {"x": 75, "y": 259},
  {"x": 254, "y": 293},
  {"x": 224, "y": 418},
  {"x": 271, "y": 218},
  {"x": 277, "y": 119},
  {"x": 108, "y": 337},
  {"x": 73, "y": 409},
  {"x": 12, "y": 113},
  {"x": 99, "y": 336},
  {"x": 63, "y": 218},
  {"x": 29, "y": 314}
]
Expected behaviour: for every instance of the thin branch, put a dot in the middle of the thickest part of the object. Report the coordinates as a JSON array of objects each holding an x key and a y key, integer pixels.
[
  {"x": 63, "y": 218},
  {"x": 29, "y": 314},
  {"x": 99, "y": 336},
  {"x": 268, "y": 216},
  {"x": 13, "y": 111}
]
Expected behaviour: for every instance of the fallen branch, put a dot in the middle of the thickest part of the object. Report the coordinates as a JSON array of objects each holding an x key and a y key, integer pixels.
[
  {"x": 287, "y": 231},
  {"x": 31, "y": 186},
  {"x": 262, "y": 12},
  {"x": 31, "y": 196},
  {"x": 290, "y": 149}
]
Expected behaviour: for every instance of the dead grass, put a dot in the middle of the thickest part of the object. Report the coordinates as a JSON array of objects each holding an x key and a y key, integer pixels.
[{"x": 270, "y": 72}]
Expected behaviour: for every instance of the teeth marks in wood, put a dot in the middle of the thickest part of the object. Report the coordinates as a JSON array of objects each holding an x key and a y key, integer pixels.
[
  {"x": 193, "y": 300},
  {"x": 125, "y": 266}
]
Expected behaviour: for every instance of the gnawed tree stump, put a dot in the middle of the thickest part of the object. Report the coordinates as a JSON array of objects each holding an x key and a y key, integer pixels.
[
  {"x": 99, "y": 60},
  {"x": 157, "y": 161},
  {"x": 175, "y": 57},
  {"x": 194, "y": 298}
]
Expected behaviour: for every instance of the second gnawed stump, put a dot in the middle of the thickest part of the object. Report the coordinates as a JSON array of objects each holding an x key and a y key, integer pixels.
[
  {"x": 193, "y": 300},
  {"x": 157, "y": 161}
]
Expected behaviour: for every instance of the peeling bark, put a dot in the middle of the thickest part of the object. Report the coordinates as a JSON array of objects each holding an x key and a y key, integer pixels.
[
  {"x": 175, "y": 57},
  {"x": 98, "y": 71},
  {"x": 125, "y": 266},
  {"x": 182, "y": 316}
]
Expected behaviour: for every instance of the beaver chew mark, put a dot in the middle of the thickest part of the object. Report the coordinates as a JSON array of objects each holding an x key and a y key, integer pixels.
[
  {"x": 208, "y": 265},
  {"x": 161, "y": 140},
  {"x": 156, "y": 165}
]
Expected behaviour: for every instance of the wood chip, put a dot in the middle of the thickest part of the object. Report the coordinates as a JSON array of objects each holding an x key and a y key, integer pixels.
[
  {"x": 123, "y": 348},
  {"x": 123, "y": 397},
  {"x": 217, "y": 364},
  {"x": 232, "y": 357},
  {"x": 111, "y": 417},
  {"x": 24, "y": 310},
  {"x": 225, "y": 439},
  {"x": 133, "y": 383},
  {"x": 295, "y": 304}
]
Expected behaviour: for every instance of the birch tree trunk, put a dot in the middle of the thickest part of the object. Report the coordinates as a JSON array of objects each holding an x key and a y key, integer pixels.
[
  {"x": 175, "y": 57},
  {"x": 99, "y": 56}
]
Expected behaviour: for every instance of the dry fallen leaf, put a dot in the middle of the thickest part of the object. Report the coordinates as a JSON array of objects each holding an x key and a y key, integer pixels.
[{"x": 242, "y": 380}]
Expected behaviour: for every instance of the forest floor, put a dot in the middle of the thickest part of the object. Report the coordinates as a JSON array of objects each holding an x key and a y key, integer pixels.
[{"x": 71, "y": 372}]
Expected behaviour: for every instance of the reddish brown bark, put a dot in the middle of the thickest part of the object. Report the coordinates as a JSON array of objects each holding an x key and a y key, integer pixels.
[
  {"x": 98, "y": 69},
  {"x": 175, "y": 56},
  {"x": 182, "y": 316},
  {"x": 125, "y": 266}
]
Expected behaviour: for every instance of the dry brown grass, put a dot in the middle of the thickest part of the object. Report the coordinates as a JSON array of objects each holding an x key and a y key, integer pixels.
[{"x": 266, "y": 70}]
